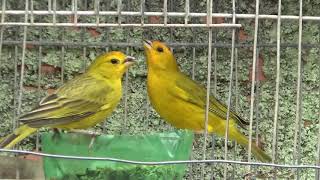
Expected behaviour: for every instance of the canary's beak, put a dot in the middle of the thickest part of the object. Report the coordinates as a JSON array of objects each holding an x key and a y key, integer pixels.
[
  {"x": 129, "y": 60},
  {"x": 147, "y": 44}
]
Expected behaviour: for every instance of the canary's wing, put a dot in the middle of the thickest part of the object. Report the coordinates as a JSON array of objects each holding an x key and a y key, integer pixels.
[
  {"x": 78, "y": 99},
  {"x": 189, "y": 91}
]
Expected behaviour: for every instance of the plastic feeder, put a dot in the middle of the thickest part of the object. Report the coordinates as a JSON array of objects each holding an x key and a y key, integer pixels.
[{"x": 153, "y": 147}]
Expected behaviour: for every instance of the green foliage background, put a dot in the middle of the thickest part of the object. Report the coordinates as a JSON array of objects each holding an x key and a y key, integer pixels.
[{"x": 143, "y": 119}]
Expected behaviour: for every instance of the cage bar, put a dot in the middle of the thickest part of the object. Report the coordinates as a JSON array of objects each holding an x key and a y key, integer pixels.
[
  {"x": 209, "y": 21},
  {"x": 2, "y": 27},
  {"x": 97, "y": 11},
  {"x": 187, "y": 11},
  {"x": 165, "y": 12},
  {"x": 119, "y": 12},
  {"x": 31, "y": 14},
  {"x": 74, "y": 13},
  {"x": 25, "y": 29},
  {"x": 54, "y": 16},
  {"x": 229, "y": 91},
  {"x": 150, "y": 163},
  {"x": 142, "y": 9},
  {"x": 62, "y": 63},
  {"x": 172, "y": 44},
  {"x": 169, "y": 14},
  {"x": 15, "y": 88},
  {"x": 276, "y": 106},
  {"x": 119, "y": 25},
  {"x": 298, "y": 120},
  {"x": 125, "y": 100},
  {"x": 317, "y": 172},
  {"x": 252, "y": 97},
  {"x": 39, "y": 83}
]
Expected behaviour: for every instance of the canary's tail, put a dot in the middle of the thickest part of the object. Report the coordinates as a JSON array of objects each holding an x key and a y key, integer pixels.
[
  {"x": 242, "y": 140},
  {"x": 18, "y": 135}
]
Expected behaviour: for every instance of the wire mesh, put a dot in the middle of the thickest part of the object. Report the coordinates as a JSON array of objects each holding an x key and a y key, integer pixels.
[{"x": 147, "y": 19}]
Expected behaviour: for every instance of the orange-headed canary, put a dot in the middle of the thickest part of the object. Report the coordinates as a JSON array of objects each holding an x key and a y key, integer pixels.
[{"x": 182, "y": 101}]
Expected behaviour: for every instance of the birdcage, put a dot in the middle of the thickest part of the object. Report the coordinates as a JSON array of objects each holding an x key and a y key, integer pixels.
[{"x": 259, "y": 57}]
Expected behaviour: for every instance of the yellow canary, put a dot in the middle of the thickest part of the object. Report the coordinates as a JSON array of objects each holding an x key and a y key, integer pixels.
[
  {"x": 181, "y": 101},
  {"x": 80, "y": 103}
]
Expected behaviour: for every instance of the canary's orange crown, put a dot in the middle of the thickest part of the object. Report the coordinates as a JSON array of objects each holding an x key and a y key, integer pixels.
[
  {"x": 111, "y": 65},
  {"x": 159, "y": 56}
]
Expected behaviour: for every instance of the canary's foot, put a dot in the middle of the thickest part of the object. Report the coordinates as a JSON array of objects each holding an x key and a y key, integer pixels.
[
  {"x": 93, "y": 135},
  {"x": 93, "y": 139},
  {"x": 56, "y": 135}
]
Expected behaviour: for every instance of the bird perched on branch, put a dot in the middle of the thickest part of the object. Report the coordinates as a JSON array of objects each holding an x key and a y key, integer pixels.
[
  {"x": 80, "y": 103},
  {"x": 181, "y": 101}
]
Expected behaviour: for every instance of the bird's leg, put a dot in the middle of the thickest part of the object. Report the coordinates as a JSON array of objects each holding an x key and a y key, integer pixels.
[
  {"x": 92, "y": 133},
  {"x": 56, "y": 134},
  {"x": 93, "y": 139}
]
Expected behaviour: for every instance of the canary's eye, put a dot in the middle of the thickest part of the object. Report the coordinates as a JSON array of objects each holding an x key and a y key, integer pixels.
[
  {"x": 114, "y": 61},
  {"x": 160, "y": 49}
]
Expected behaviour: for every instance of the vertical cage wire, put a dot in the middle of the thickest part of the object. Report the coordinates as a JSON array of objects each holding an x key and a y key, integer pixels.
[
  {"x": 252, "y": 96},
  {"x": 165, "y": 12},
  {"x": 14, "y": 123},
  {"x": 126, "y": 80},
  {"x": 193, "y": 63},
  {"x": 22, "y": 71},
  {"x": 75, "y": 11},
  {"x": 276, "y": 105},
  {"x": 317, "y": 172},
  {"x": 257, "y": 95},
  {"x": 193, "y": 73},
  {"x": 229, "y": 91},
  {"x": 236, "y": 91},
  {"x": 39, "y": 81},
  {"x": 49, "y": 5},
  {"x": 169, "y": 7},
  {"x": 119, "y": 8},
  {"x": 256, "y": 102},
  {"x": 54, "y": 15},
  {"x": 193, "y": 77},
  {"x": 214, "y": 57},
  {"x": 63, "y": 49},
  {"x": 125, "y": 96},
  {"x": 97, "y": 10},
  {"x": 3, "y": 8},
  {"x": 209, "y": 21},
  {"x": 31, "y": 12},
  {"x": 187, "y": 12},
  {"x": 15, "y": 87},
  {"x": 142, "y": 9},
  {"x": 62, "y": 63},
  {"x": 105, "y": 122},
  {"x": 298, "y": 120},
  {"x": 297, "y": 132},
  {"x": 39, "y": 72}
]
